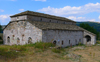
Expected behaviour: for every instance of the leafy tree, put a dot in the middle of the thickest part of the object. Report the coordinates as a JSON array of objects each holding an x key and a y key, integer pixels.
[{"x": 91, "y": 29}]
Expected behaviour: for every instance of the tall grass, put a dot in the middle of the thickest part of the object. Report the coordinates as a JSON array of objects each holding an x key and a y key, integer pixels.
[{"x": 18, "y": 50}]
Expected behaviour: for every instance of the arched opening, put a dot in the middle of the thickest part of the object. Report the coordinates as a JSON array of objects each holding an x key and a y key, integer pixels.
[
  {"x": 29, "y": 40},
  {"x": 54, "y": 42},
  {"x": 18, "y": 40},
  {"x": 88, "y": 38},
  {"x": 8, "y": 39}
]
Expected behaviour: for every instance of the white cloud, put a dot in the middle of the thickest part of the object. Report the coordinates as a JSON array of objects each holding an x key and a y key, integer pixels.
[
  {"x": 99, "y": 17},
  {"x": 40, "y": 0},
  {"x": 4, "y": 19},
  {"x": 13, "y": 0},
  {"x": 80, "y": 19},
  {"x": 73, "y": 12},
  {"x": 21, "y": 10},
  {"x": 1, "y": 10},
  {"x": 70, "y": 11}
]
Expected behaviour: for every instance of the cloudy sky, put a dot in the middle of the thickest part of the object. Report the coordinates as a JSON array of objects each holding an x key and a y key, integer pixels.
[{"x": 77, "y": 10}]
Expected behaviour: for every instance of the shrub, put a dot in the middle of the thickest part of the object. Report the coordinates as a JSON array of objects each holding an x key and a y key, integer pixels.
[
  {"x": 42, "y": 45},
  {"x": 58, "y": 50},
  {"x": 0, "y": 38},
  {"x": 1, "y": 42}
]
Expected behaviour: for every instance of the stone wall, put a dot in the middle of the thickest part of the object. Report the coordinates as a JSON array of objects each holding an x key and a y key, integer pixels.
[
  {"x": 19, "y": 33},
  {"x": 68, "y": 37},
  {"x": 42, "y": 19},
  {"x": 93, "y": 38},
  {"x": 23, "y": 17}
]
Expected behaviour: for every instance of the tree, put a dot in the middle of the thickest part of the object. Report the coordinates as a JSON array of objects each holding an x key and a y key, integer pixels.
[
  {"x": 91, "y": 29},
  {"x": 0, "y": 28}
]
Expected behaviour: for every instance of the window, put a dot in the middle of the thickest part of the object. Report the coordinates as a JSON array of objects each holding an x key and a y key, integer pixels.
[
  {"x": 50, "y": 21},
  {"x": 29, "y": 40},
  {"x": 41, "y": 19},
  {"x": 8, "y": 39},
  {"x": 17, "y": 18},
  {"x": 13, "y": 35},
  {"x": 18, "y": 40},
  {"x": 76, "y": 41},
  {"x": 62, "y": 42},
  {"x": 69, "y": 41},
  {"x": 64, "y": 22},
  {"x": 79, "y": 40},
  {"x": 57, "y": 21}
]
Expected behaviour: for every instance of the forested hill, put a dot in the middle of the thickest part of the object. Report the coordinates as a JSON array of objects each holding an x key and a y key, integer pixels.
[{"x": 94, "y": 24}]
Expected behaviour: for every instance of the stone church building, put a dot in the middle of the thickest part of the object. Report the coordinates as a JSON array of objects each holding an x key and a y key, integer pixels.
[{"x": 30, "y": 27}]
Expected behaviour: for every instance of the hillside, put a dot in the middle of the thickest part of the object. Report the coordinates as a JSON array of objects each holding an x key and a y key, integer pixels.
[{"x": 93, "y": 24}]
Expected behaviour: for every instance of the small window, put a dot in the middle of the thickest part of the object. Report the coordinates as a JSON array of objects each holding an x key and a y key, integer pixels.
[
  {"x": 62, "y": 42},
  {"x": 17, "y": 18},
  {"x": 13, "y": 35},
  {"x": 69, "y": 41},
  {"x": 79, "y": 40},
  {"x": 41, "y": 19},
  {"x": 64, "y": 22},
  {"x": 8, "y": 39},
  {"x": 18, "y": 40},
  {"x": 29, "y": 40},
  {"x": 76, "y": 41},
  {"x": 50, "y": 21}
]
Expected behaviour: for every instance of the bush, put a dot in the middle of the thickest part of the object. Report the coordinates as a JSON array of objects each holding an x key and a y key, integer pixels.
[
  {"x": 42, "y": 45},
  {"x": 55, "y": 50},
  {"x": 7, "y": 53},
  {"x": 0, "y": 38},
  {"x": 1, "y": 42}
]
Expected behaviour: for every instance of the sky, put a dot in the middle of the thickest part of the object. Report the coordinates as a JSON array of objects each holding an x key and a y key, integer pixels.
[{"x": 77, "y": 10}]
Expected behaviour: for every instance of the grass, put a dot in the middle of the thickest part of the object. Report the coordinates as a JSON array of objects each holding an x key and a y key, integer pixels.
[
  {"x": 40, "y": 52},
  {"x": 55, "y": 50},
  {"x": 18, "y": 50}
]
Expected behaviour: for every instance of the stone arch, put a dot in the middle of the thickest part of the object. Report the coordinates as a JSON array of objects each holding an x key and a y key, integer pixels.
[
  {"x": 18, "y": 40},
  {"x": 29, "y": 40},
  {"x": 88, "y": 38},
  {"x": 8, "y": 39}
]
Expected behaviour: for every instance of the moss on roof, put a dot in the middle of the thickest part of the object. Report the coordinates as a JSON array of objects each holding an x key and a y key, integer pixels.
[
  {"x": 54, "y": 26},
  {"x": 46, "y": 25},
  {"x": 42, "y": 15}
]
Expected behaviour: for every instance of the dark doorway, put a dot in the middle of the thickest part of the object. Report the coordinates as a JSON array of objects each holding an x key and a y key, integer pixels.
[{"x": 88, "y": 38}]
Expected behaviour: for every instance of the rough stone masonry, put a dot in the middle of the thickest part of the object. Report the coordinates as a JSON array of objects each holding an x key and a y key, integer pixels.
[{"x": 30, "y": 27}]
